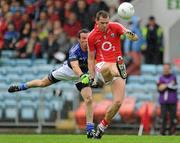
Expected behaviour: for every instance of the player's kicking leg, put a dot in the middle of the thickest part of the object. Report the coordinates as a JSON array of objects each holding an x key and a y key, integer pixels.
[
  {"x": 86, "y": 93},
  {"x": 31, "y": 84}
]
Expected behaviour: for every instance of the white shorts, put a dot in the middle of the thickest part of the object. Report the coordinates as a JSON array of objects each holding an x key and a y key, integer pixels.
[
  {"x": 98, "y": 75},
  {"x": 64, "y": 73}
]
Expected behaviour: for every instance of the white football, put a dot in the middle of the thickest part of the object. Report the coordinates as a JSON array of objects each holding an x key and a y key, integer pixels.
[{"x": 126, "y": 10}]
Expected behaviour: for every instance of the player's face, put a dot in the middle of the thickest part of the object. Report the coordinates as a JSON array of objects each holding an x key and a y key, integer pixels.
[
  {"x": 83, "y": 40},
  {"x": 102, "y": 23},
  {"x": 166, "y": 69}
]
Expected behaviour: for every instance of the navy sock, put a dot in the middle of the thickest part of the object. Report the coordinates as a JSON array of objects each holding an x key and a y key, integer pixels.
[
  {"x": 23, "y": 86},
  {"x": 89, "y": 127}
]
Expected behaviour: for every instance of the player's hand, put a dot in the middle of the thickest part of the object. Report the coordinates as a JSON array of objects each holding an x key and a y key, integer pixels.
[
  {"x": 131, "y": 36},
  {"x": 85, "y": 78},
  {"x": 93, "y": 83}
]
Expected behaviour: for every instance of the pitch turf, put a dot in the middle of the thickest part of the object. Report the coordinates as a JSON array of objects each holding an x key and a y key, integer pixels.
[{"x": 83, "y": 139}]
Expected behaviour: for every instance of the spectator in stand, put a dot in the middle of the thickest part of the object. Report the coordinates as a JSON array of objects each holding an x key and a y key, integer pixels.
[
  {"x": 31, "y": 48},
  {"x": 30, "y": 8},
  {"x": 50, "y": 47},
  {"x": 17, "y": 23},
  {"x": 16, "y": 6},
  {"x": 25, "y": 20},
  {"x": 4, "y": 8},
  {"x": 62, "y": 41},
  {"x": 81, "y": 9},
  {"x": 42, "y": 18},
  {"x": 10, "y": 36},
  {"x": 167, "y": 87},
  {"x": 94, "y": 8},
  {"x": 111, "y": 3},
  {"x": 49, "y": 3},
  {"x": 67, "y": 9},
  {"x": 59, "y": 7},
  {"x": 72, "y": 26},
  {"x": 132, "y": 50},
  {"x": 43, "y": 25},
  {"x": 52, "y": 14},
  {"x": 3, "y": 25},
  {"x": 153, "y": 48},
  {"x": 24, "y": 35},
  {"x": 89, "y": 2},
  {"x": 42, "y": 30},
  {"x": 8, "y": 18},
  {"x": 1, "y": 43},
  {"x": 97, "y": 6}
]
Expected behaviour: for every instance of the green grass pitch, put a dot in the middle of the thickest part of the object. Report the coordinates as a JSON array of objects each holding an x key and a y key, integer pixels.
[{"x": 83, "y": 139}]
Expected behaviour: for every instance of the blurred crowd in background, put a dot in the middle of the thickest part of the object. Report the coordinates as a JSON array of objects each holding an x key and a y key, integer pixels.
[{"x": 48, "y": 28}]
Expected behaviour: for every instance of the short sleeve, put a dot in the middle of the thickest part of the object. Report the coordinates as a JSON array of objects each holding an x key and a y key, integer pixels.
[
  {"x": 120, "y": 29},
  {"x": 73, "y": 55},
  {"x": 91, "y": 47}
]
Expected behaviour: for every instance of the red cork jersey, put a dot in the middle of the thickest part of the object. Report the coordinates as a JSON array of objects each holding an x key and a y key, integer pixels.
[{"x": 106, "y": 45}]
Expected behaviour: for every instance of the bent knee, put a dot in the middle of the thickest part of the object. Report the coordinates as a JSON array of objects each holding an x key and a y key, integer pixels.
[
  {"x": 88, "y": 100},
  {"x": 118, "y": 103}
]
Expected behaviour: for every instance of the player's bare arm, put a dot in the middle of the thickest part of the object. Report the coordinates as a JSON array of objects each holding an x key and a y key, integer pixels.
[
  {"x": 91, "y": 64},
  {"x": 76, "y": 68}
]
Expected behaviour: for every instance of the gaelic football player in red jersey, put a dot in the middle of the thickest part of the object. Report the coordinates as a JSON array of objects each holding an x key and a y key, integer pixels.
[{"x": 105, "y": 62}]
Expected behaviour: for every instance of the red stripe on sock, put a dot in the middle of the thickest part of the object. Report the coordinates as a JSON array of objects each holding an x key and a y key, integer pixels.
[{"x": 104, "y": 122}]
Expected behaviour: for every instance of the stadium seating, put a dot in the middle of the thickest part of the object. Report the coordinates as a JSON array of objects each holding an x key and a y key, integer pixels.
[
  {"x": 100, "y": 109},
  {"x": 148, "y": 107},
  {"x": 44, "y": 112},
  {"x": 8, "y": 54},
  {"x": 127, "y": 110},
  {"x": 34, "y": 105},
  {"x": 135, "y": 79},
  {"x": 148, "y": 69},
  {"x": 1, "y": 109},
  {"x": 80, "y": 116},
  {"x": 47, "y": 104},
  {"x": 27, "y": 110},
  {"x": 10, "y": 110}
]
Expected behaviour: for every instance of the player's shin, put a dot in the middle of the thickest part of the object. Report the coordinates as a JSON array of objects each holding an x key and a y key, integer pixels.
[
  {"x": 112, "y": 110},
  {"x": 86, "y": 93},
  {"x": 23, "y": 86}
]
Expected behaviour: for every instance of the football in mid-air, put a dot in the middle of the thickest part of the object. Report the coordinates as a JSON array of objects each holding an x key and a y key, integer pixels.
[{"x": 126, "y": 10}]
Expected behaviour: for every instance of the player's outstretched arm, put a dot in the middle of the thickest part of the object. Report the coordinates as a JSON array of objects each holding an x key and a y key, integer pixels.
[
  {"x": 91, "y": 64},
  {"x": 76, "y": 68},
  {"x": 83, "y": 76},
  {"x": 131, "y": 36}
]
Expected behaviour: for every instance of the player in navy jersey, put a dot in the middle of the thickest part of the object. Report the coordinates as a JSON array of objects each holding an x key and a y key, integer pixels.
[{"x": 75, "y": 69}]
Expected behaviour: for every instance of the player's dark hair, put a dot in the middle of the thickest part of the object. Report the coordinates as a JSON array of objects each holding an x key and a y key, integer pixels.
[
  {"x": 82, "y": 31},
  {"x": 102, "y": 13}
]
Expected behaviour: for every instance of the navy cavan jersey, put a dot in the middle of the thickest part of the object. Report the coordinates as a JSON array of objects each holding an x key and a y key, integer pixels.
[{"x": 76, "y": 53}]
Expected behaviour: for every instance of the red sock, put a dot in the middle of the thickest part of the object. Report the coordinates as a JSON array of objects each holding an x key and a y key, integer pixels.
[{"x": 104, "y": 122}]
